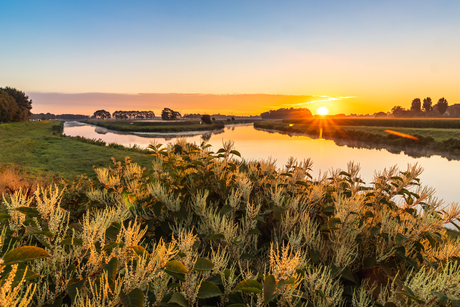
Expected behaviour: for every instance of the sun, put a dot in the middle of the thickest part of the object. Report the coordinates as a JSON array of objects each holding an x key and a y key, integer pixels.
[{"x": 322, "y": 111}]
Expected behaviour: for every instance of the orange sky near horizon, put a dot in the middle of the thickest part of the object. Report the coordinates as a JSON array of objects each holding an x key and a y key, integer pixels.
[{"x": 234, "y": 104}]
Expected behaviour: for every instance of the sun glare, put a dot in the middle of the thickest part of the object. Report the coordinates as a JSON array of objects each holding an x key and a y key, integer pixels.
[{"x": 322, "y": 111}]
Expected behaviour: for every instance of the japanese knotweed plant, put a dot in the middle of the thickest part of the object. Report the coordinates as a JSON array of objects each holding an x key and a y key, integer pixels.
[{"x": 209, "y": 228}]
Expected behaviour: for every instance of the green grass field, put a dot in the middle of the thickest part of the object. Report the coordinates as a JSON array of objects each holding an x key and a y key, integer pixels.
[{"x": 33, "y": 148}]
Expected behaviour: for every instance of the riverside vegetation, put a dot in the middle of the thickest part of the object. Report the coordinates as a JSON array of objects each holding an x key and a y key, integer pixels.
[
  {"x": 434, "y": 134},
  {"x": 163, "y": 127},
  {"x": 204, "y": 228}
]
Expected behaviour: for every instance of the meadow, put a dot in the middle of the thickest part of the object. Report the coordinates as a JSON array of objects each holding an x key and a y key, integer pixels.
[
  {"x": 40, "y": 150},
  {"x": 196, "y": 227}
]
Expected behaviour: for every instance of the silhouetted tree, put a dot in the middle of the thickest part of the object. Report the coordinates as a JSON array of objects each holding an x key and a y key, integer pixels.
[
  {"x": 8, "y": 107},
  {"x": 442, "y": 105},
  {"x": 206, "y": 119},
  {"x": 286, "y": 113},
  {"x": 103, "y": 114},
  {"x": 416, "y": 105},
  {"x": 427, "y": 104},
  {"x": 24, "y": 104},
  {"x": 380, "y": 114},
  {"x": 399, "y": 111},
  {"x": 168, "y": 114}
]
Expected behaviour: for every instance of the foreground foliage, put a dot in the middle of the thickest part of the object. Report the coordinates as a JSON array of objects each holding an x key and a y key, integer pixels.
[{"x": 203, "y": 228}]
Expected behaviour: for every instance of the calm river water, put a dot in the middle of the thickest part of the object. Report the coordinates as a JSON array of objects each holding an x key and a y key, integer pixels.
[{"x": 439, "y": 173}]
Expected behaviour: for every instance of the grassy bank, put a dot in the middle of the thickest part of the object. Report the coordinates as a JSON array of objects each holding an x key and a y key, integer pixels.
[
  {"x": 161, "y": 126},
  {"x": 39, "y": 150},
  {"x": 440, "y": 123},
  {"x": 427, "y": 138}
]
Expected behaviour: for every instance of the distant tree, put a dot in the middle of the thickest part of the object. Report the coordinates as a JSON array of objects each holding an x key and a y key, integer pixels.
[
  {"x": 24, "y": 104},
  {"x": 416, "y": 105},
  {"x": 8, "y": 107},
  {"x": 399, "y": 111},
  {"x": 427, "y": 104},
  {"x": 286, "y": 113},
  {"x": 442, "y": 105},
  {"x": 206, "y": 119},
  {"x": 380, "y": 114},
  {"x": 233, "y": 118},
  {"x": 168, "y": 114},
  {"x": 102, "y": 114}
]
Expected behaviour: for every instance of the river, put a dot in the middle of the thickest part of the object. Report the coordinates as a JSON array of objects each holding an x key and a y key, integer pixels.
[{"x": 439, "y": 172}]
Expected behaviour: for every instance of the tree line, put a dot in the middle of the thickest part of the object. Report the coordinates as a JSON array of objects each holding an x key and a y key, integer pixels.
[
  {"x": 166, "y": 114},
  {"x": 286, "y": 113},
  {"x": 419, "y": 109},
  {"x": 15, "y": 105}
]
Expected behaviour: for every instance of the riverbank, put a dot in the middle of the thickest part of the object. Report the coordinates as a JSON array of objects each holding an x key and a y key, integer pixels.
[
  {"x": 437, "y": 139},
  {"x": 161, "y": 126},
  {"x": 40, "y": 150}
]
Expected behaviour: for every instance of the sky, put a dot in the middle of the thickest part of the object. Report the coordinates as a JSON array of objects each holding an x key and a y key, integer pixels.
[{"x": 243, "y": 57}]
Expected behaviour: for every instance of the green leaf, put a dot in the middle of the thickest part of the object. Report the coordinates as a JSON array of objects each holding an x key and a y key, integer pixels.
[
  {"x": 203, "y": 264},
  {"x": 112, "y": 232},
  {"x": 71, "y": 241},
  {"x": 369, "y": 262},
  {"x": 375, "y": 230},
  {"x": 73, "y": 286},
  {"x": 400, "y": 238},
  {"x": 442, "y": 297},
  {"x": 135, "y": 298},
  {"x": 249, "y": 285},
  {"x": 24, "y": 254},
  {"x": 179, "y": 299},
  {"x": 176, "y": 269},
  {"x": 334, "y": 221},
  {"x": 140, "y": 251},
  {"x": 254, "y": 232},
  {"x": 28, "y": 211},
  {"x": 329, "y": 210},
  {"x": 216, "y": 236},
  {"x": 236, "y": 153},
  {"x": 208, "y": 289},
  {"x": 368, "y": 214},
  {"x": 4, "y": 216},
  {"x": 269, "y": 288},
  {"x": 112, "y": 268},
  {"x": 30, "y": 230}
]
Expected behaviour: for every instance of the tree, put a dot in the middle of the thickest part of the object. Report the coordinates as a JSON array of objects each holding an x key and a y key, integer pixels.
[
  {"x": 286, "y": 113},
  {"x": 8, "y": 107},
  {"x": 24, "y": 104},
  {"x": 427, "y": 104},
  {"x": 168, "y": 114},
  {"x": 206, "y": 119},
  {"x": 103, "y": 114},
  {"x": 442, "y": 105},
  {"x": 416, "y": 105}
]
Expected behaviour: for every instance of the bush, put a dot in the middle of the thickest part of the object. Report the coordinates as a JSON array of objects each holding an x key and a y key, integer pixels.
[
  {"x": 206, "y": 119},
  {"x": 204, "y": 228}
]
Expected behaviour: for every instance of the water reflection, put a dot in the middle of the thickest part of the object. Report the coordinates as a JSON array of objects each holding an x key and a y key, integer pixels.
[
  {"x": 253, "y": 144},
  {"x": 415, "y": 152}
]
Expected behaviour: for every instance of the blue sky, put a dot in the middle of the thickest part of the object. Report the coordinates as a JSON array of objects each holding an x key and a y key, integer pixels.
[{"x": 375, "y": 51}]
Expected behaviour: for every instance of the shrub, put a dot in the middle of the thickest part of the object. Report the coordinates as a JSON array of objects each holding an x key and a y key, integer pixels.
[{"x": 207, "y": 228}]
